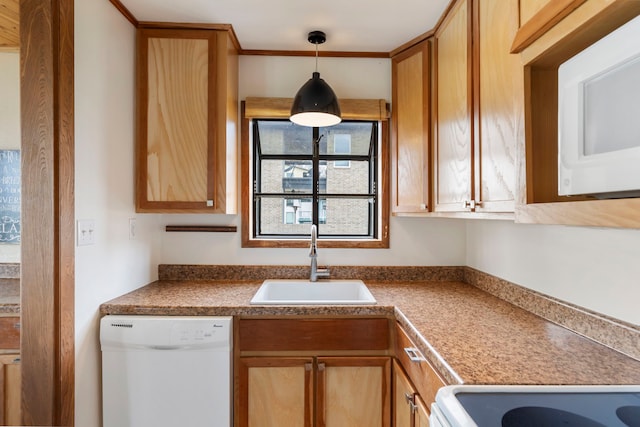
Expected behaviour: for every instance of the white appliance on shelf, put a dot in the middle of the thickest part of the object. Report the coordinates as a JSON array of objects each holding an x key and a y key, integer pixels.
[
  {"x": 166, "y": 371},
  {"x": 533, "y": 405},
  {"x": 599, "y": 117}
]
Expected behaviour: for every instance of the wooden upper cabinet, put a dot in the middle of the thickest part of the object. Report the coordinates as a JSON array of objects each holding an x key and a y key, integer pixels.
[
  {"x": 529, "y": 8},
  {"x": 9, "y": 26},
  {"x": 539, "y": 16},
  {"x": 187, "y": 119},
  {"x": 410, "y": 133},
  {"x": 479, "y": 104},
  {"x": 499, "y": 106},
  {"x": 453, "y": 102}
]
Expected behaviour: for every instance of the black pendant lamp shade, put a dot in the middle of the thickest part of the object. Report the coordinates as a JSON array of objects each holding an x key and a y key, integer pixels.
[{"x": 315, "y": 104}]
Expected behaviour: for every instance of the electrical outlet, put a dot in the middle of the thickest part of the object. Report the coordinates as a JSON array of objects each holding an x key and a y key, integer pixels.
[
  {"x": 86, "y": 232},
  {"x": 132, "y": 228}
]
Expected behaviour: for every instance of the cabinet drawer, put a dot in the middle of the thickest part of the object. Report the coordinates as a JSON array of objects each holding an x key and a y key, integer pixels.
[
  {"x": 313, "y": 334},
  {"x": 423, "y": 376},
  {"x": 9, "y": 333}
]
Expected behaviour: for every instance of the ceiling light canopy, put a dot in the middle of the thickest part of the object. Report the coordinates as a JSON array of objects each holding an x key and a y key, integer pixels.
[{"x": 315, "y": 104}]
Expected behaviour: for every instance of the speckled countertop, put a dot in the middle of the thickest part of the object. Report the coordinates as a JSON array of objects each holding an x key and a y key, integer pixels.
[{"x": 469, "y": 335}]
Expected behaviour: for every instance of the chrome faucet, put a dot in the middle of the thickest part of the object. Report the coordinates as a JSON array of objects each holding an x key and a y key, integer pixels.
[{"x": 313, "y": 254}]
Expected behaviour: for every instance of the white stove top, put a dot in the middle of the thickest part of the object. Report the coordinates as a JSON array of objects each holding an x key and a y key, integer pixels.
[{"x": 522, "y": 406}]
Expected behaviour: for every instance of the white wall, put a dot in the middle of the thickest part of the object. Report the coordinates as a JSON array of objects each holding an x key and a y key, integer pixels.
[
  {"x": 104, "y": 184},
  {"x": 10, "y": 100},
  {"x": 595, "y": 268},
  {"x": 9, "y": 124},
  {"x": 414, "y": 241}
]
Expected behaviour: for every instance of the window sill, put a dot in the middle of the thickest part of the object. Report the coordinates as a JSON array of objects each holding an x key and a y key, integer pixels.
[{"x": 322, "y": 243}]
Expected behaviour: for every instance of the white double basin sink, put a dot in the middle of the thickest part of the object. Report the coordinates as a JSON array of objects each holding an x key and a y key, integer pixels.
[{"x": 305, "y": 292}]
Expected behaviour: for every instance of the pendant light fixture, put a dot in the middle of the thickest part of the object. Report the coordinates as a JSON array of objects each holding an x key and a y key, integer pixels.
[{"x": 315, "y": 104}]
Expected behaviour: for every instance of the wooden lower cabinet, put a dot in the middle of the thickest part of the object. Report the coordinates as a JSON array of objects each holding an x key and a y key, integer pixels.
[
  {"x": 422, "y": 413},
  {"x": 409, "y": 408},
  {"x": 276, "y": 391},
  {"x": 403, "y": 392},
  {"x": 314, "y": 391},
  {"x": 353, "y": 391},
  {"x": 10, "y": 390}
]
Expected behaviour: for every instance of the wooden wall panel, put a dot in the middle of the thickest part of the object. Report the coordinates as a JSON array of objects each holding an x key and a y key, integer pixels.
[{"x": 47, "y": 269}]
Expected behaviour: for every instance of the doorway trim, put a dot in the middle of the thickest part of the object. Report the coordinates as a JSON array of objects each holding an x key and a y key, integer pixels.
[{"x": 48, "y": 212}]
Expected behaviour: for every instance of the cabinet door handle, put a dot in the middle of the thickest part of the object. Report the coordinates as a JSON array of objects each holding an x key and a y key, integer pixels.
[
  {"x": 469, "y": 204},
  {"x": 414, "y": 354},
  {"x": 410, "y": 398}
]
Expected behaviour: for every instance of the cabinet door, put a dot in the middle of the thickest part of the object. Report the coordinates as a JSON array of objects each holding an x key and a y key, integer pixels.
[
  {"x": 410, "y": 129},
  {"x": 176, "y": 80},
  {"x": 353, "y": 391},
  {"x": 187, "y": 102},
  {"x": 275, "y": 391},
  {"x": 453, "y": 127},
  {"x": 499, "y": 86},
  {"x": 422, "y": 413},
  {"x": 403, "y": 398},
  {"x": 10, "y": 390}
]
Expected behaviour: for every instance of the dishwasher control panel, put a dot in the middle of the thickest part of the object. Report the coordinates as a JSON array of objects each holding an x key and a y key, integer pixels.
[
  {"x": 198, "y": 332},
  {"x": 166, "y": 331}
]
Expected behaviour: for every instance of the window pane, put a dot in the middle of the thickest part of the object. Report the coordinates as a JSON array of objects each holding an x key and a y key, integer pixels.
[
  {"x": 358, "y": 134},
  {"x": 278, "y": 215},
  {"x": 353, "y": 179},
  {"x": 346, "y": 217},
  {"x": 286, "y": 176},
  {"x": 342, "y": 145},
  {"x": 284, "y": 137}
]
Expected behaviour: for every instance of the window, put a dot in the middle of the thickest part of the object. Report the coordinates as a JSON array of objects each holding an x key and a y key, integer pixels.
[
  {"x": 323, "y": 176},
  {"x": 342, "y": 145}
]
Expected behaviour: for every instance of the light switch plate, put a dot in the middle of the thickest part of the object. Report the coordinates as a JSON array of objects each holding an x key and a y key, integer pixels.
[{"x": 86, "y": 232}]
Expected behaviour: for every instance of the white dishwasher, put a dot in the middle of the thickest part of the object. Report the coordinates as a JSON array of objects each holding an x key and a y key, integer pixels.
[{"x": 166, "y": 371}]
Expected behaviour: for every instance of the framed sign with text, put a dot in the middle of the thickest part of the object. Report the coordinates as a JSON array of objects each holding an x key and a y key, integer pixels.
[{"x": 10, "y": 196}]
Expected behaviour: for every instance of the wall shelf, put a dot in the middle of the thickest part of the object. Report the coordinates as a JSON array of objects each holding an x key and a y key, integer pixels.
[{"x": 203, "y": 228}]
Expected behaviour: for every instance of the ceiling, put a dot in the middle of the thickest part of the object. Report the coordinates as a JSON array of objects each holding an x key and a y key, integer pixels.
[{"x": 350, "y": 25}]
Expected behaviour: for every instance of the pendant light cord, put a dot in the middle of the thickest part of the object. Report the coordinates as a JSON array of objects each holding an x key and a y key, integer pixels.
[{"x": 316, "y": 57}]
